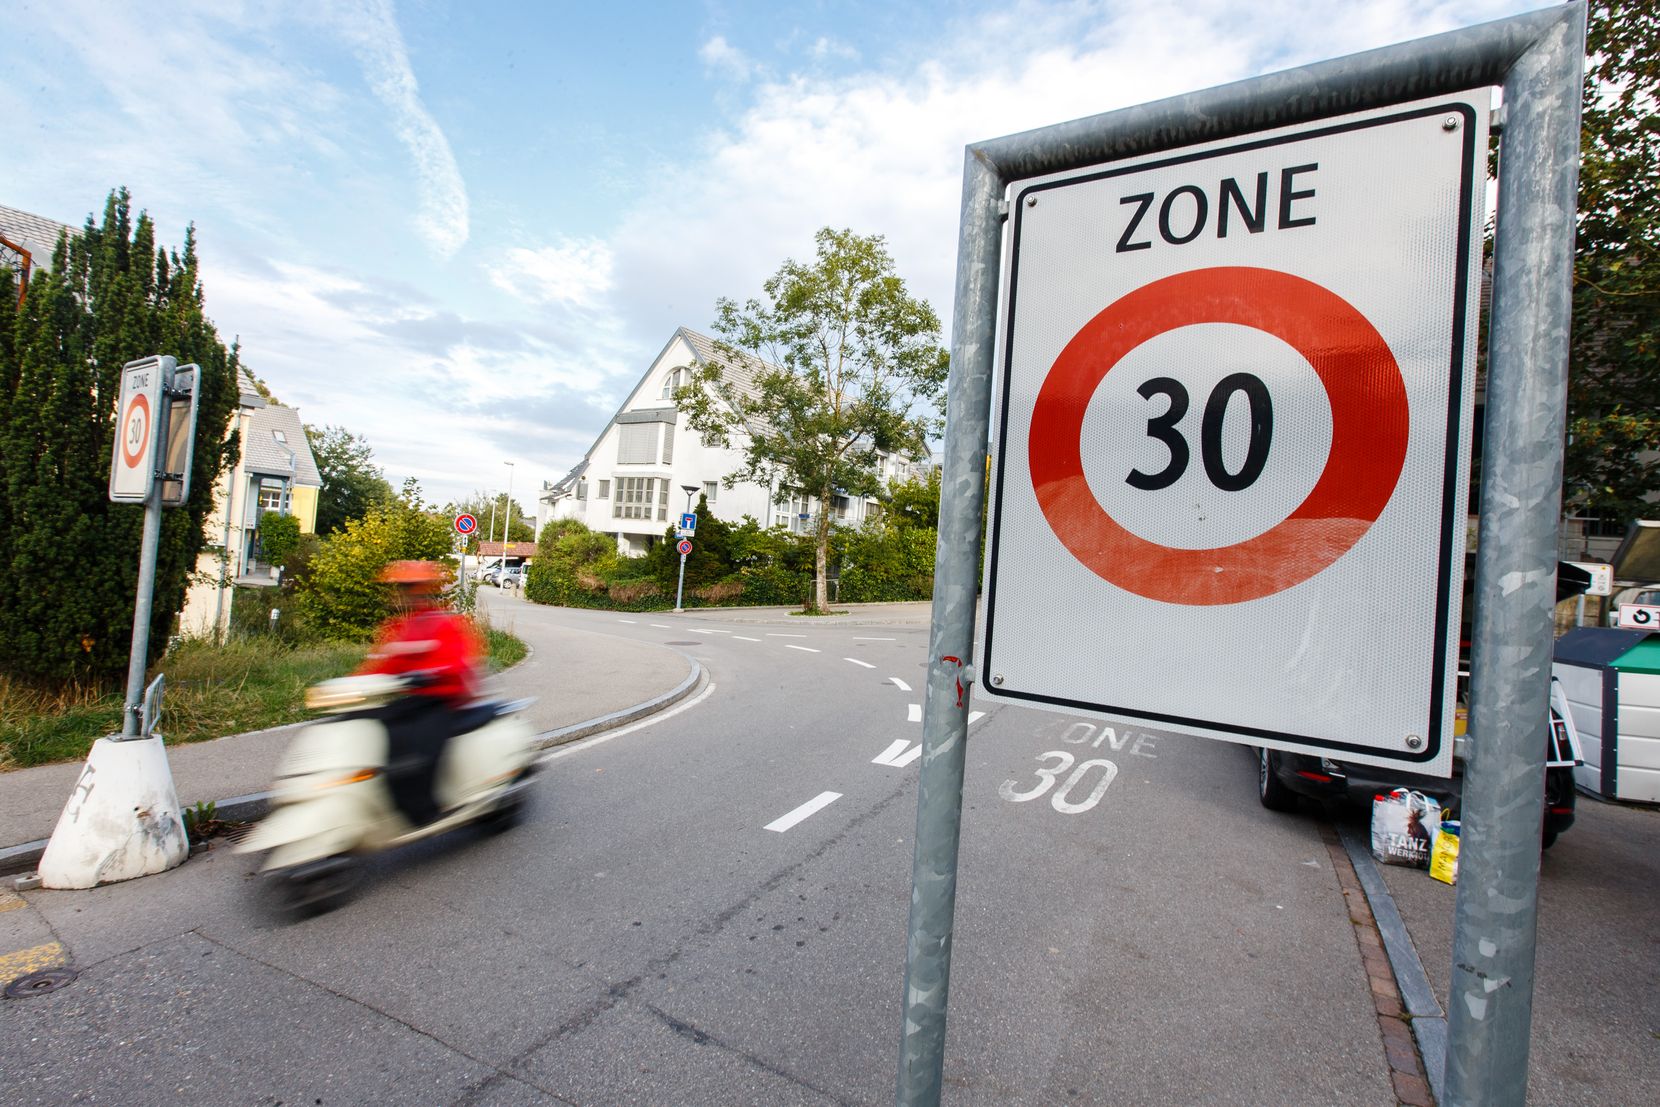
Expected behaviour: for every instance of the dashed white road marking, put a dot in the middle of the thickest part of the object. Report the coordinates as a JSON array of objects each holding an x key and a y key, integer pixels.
[
  {"x": 856, "y": 638},
  {"x": 898, "y": 755},
  {"x": 811, "y": 807},
  {"x": 914, "y": 714},
  {"x": 804, "y": 649},
  {"x": 899, "y": 684},
  {"x": 773, "y": 634},
  {"x": 856, "y": 661},
  {"x": 704, "y": 630},
  {"x": 661, "y": 626},
  {"x": 741, "y": 638},
  {"x": 975, "y": 716},
  {"x": 630, "y": 622}
]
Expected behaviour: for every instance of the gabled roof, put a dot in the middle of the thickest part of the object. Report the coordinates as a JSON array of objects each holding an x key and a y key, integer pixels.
[
  {"x": 35, "y": 233},
  {"x": 264, "y": 452}
]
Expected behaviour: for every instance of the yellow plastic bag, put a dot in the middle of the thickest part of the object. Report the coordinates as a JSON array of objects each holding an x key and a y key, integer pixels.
[{"x": 1443, "y": 856}]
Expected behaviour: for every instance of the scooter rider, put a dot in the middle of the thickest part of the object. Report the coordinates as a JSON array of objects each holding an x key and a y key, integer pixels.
[{"x": 428, "y": 638}]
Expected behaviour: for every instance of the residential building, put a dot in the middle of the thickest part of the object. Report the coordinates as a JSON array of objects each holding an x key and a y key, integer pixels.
[
  {"x": 27, "y": 241},
  {"x": 647, "y": 465},
  {"x": 274, "y": 471}
]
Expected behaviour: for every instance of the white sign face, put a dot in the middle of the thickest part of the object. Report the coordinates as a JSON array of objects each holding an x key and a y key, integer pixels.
[
  {"x": 1602, "y": 577},
  {"x": 133, "y": 462},
  {"x": 1233, "y": 435},
  {"x": 1638, "y": 616}
]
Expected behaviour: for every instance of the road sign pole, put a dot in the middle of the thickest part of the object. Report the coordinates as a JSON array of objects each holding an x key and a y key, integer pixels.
[
  {"x": 1491, "y": 991},
  {"x": 680, "y": 586},
  {"x": 951, "y": 642},
  {"x": 132, "y": 714}
]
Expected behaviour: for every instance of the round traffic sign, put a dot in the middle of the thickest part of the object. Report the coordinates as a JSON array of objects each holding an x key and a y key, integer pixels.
[
  {"x": 1369, "y": 414},
  {"x": 135, "y": 431},
  {"x": 465, "y": 524},
  {"x": 684, "y": 546}
]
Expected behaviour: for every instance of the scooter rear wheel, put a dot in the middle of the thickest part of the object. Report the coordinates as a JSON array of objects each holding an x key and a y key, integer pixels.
[{"x": 317, "y": 887}]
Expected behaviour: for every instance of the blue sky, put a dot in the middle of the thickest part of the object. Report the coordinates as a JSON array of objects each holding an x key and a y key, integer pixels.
[{"x": 464, "y": 230}]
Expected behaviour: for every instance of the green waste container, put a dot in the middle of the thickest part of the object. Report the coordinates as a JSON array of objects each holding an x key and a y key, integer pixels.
[{"x": 1612, "y": 681}]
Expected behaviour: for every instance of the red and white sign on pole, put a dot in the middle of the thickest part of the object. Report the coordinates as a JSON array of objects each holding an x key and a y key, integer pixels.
[
  {"x": 1233, "y": 436},
  {"x": 133, "y": 465}
]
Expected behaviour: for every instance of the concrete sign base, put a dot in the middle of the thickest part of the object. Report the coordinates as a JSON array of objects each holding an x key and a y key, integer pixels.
[{"x": 122, "y": 821}]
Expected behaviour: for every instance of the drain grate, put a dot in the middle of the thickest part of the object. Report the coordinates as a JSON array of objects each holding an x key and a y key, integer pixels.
[{"x": 39, "y": 983}]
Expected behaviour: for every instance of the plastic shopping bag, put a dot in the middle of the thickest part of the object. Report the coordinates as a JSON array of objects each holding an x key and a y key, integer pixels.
[
  {"x": 1401, "y": 827},
  {"x": 1443, "y": 856}
]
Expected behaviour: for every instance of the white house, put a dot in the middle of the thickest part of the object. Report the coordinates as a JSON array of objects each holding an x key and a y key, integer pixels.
[{"x": 647, "y": 465}]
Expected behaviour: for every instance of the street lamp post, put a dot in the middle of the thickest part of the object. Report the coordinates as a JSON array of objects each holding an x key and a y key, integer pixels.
[
  {"x": 507, "y": 527},
  {"x": 680, "y": 586}
]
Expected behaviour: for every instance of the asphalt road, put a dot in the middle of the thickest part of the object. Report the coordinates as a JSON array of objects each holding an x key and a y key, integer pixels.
[{"x": 679, "y": 923}]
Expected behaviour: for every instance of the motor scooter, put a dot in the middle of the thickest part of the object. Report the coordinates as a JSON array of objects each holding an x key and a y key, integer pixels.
[{"x": 332, "y": 803}]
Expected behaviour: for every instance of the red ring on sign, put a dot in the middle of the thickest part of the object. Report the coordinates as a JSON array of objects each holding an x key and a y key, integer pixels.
[
  {"x": 1369, "y": 413},
  {"x": 139, "y": 402}
]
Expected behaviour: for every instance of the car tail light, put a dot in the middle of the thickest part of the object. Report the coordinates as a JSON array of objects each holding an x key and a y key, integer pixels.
[{"x": 1318, "y": 778}]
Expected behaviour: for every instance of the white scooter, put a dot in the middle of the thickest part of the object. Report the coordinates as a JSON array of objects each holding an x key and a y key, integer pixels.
[{"x": 332, "y": 803}]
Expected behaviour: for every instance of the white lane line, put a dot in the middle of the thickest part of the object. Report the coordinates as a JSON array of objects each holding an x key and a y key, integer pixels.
[
  {"x": 899, "y": 684},
  {"x": 661, "y": 626},
  {"x": 717, "y": 630},
  {"x": 741, "y": 638},
  {"x": 901, "y": 762},
  {"x": 914, "y": 715},
  {"x": 856, "y": 661},
  {"x": 578, "y": 747},
  {"x": 631, "y": 622},
  {"x": 886, "y": 757},
  {"x": 700, "y": 630},
  {"x": 811, "y": 807},
  {"x": 856, "y": 638},
  {"x": 803, "y": 649},
  {"x": 771, "y": 634},
  {"x": 975, "y": 716}
]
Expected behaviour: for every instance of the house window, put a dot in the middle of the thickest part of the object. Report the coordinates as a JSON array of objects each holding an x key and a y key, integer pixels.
[
  {"x": 271, "y": 495},
  {"x": 280, "y": 436},
  {"x": 709, "y": 489},
  {"x": 668, "y": 443},
  {"x": 637, "y": 444},
  {"x": 671, "y": 382},
  {"x": 604, "y": 490},
  {"x": 582, "y": 490},
  {"x": 636, "y": 496},
  {"x": 842, "y": 506}
]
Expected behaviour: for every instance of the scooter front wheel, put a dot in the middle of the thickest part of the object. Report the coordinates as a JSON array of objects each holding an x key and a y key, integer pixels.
[{"x": 316, "y": 887}]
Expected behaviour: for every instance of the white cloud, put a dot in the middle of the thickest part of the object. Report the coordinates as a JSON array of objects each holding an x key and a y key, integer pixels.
[
  {"x": 569, "y": 272},
  {"x": 721, "y": 57},
  {"x": 441, "y": 217}
]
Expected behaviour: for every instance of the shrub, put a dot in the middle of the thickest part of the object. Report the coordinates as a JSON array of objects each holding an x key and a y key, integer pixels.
[{"x": 342, "y": 596}]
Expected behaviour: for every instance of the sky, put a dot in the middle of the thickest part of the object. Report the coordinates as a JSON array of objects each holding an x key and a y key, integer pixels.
[{"x": 464, "y": 230}]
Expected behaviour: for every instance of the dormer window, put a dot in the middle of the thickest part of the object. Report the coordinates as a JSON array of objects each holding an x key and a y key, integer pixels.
[
  {"x": 671, "y": 382},
  {"x": 280, "y": 437}
]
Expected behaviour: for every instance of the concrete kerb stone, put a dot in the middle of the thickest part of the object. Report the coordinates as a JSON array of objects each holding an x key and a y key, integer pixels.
[{"x": 23, "y": 858}]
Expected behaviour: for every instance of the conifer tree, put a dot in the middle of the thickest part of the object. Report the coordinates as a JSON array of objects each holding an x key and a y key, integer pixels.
[{"x": 71, "y": 556}]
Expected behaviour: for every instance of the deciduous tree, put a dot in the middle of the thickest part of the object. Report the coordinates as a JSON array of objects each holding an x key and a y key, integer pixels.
[
  {"x": 352, "y": 482},
  {"x": 843, "y": 359}
]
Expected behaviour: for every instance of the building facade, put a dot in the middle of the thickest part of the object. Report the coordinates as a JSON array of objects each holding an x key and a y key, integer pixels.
[{"x": 647, "y": 466}]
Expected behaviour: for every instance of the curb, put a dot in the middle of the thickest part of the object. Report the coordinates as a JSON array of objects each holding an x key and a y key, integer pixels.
[{"x": 23, "y": 858}]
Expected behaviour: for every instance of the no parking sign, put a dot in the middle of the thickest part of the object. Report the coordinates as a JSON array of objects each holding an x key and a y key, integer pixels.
[{"x": 1233, "y": 434}]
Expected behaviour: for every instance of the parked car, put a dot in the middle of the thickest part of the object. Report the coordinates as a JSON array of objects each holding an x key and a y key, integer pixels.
[
  {"x": 1282, "y": 778},
  {"x": 512, "y": 577}
]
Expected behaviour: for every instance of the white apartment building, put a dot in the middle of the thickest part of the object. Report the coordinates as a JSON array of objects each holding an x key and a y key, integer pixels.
[{"x": 647, "y": 465}]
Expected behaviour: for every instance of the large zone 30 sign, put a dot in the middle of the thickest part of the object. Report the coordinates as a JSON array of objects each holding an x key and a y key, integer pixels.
[{"x": 1233, "y": 435}]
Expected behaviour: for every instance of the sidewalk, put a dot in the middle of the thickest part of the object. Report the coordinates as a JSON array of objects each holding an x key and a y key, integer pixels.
[{"x": 577, "y": 677}]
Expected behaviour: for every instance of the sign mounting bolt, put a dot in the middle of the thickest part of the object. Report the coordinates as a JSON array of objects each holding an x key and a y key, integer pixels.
[
  {"x": 997, "y": 679},
  {"x": 1031, "y": 201},
  {"x": 1450, "y": 123},
  {"x": 1413, "y": 742}
]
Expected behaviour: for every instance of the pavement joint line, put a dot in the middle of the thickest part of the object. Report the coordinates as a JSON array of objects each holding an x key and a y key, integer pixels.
[
  {"x": 24, "y": 856},
  {"x": 1408, "y": 1068},
  {"x": 1429, "y": 1022}
]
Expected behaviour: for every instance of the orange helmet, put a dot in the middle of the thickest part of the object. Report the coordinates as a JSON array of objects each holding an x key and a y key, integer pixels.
[{"x": 420, "y": 576}]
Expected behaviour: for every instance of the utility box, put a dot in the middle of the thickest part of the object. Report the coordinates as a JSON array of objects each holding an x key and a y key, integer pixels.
[{"x": 1612, "y": 681}]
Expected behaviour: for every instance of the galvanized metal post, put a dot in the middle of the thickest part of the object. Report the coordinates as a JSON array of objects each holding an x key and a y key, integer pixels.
[
  {"x": 1491, "y": 993},
  {"x": 680, "y": 585},
  {"x": 951, "y": 640},
  {"x": 144, "y": 604}
]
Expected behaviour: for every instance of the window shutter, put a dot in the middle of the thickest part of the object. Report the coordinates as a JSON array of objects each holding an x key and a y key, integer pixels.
[
  {"x": 668, "y": 443},
  {"x": 637, "y": 443}
]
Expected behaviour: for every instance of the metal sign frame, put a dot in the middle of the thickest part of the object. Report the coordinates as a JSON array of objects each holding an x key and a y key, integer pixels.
[
  {"x": 1538, "y": 59},
  {"x": 182, "y": 395}
]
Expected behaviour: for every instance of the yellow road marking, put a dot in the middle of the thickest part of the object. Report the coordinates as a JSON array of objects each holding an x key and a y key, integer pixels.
[
  {"x": 9, "y": 900},
  {"x": 25, "y": 961}
]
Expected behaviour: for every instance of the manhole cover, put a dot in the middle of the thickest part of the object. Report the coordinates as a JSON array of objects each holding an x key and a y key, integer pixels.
[
  {"x": 682, "y": 643},
  {"x": 39, "y": 983}
]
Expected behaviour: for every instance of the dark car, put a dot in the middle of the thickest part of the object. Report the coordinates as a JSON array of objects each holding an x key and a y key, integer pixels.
[{"x": 1282, "y": 778}]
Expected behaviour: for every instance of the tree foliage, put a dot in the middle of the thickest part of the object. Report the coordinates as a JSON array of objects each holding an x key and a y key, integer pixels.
[
  {"x": 70, "y": 556},
  {"x": 842, "y": 358},
  {"x": 915, "y": 501},
  {"x": 488, "y": 509},
  {"x": 279, "y": 537},
  {"x": 1614, "y": 393},
  {"x": 352, "y": 482},
  {"x": 341, "y": 594},
  {"x": 570, "y": 565}
]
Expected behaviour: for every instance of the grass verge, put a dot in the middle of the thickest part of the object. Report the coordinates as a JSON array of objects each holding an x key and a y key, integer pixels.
[{"x": 212, "y": 690}]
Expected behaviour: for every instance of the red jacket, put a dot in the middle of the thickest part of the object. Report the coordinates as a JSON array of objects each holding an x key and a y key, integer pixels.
[{"x": 431, "y": 640}]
